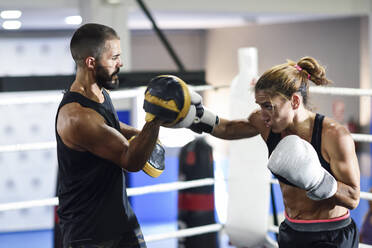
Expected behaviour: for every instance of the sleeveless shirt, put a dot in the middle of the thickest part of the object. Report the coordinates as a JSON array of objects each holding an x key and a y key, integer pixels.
[{"x": 93, "y": 203}]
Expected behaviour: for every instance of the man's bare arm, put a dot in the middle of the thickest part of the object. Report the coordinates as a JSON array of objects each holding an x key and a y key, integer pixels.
[{"x": 85, "y": 130}]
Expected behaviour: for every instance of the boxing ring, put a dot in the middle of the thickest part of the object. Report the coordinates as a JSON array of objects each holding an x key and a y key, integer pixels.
[{"x": 164, "y": 187}]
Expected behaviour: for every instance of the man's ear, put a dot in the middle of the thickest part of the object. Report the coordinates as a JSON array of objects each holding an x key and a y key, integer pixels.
[
  {"x": 90, "y": 63},
  {"x": 295, "y": 101}
]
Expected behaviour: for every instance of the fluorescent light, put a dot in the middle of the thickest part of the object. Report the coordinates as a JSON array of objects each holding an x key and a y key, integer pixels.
[
  {"x": 10, "y": 14},
  {"x": 12, "y": 24},
  {"x": 113, "y": 1},
  {"x": 73, "y": 20}
]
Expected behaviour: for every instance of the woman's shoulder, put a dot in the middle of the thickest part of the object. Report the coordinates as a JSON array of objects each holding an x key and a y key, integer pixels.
[
  {"x": 332, "y": 127},
  {"x": 335, "y": 133}
]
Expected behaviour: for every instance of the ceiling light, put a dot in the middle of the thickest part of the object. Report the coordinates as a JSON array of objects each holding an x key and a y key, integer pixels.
[
  {"x": 12, "y": 24},
  {"x": 73, "y": 20},
  {"x": 113, "y": 1},
  {"x": 10, "y": 14}
]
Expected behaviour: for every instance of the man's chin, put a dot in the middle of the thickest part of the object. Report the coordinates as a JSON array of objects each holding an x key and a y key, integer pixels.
[{"x": 111, "y": 85}]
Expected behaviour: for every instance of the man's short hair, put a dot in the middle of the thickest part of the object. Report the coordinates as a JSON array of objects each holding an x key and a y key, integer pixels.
[{"x": 89, "y": 40}]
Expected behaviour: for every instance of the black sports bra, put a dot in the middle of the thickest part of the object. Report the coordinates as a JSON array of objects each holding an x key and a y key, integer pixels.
[{"x": 316, "y": 141}]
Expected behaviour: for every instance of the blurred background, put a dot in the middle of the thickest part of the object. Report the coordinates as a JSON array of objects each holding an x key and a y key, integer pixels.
[{"x": 196, "y": 40}]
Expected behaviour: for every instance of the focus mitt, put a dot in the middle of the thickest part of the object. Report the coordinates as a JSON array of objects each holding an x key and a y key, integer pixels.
[
  {"x": 167, "y": 98},
  {"x": 155, "y": 165}
]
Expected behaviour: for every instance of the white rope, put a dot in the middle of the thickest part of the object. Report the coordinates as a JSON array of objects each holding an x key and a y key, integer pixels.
[
  {"x": 163, "y": 187},
  {"x": 119, "y": 94},
  {"x": 366, "y": 195},
  {"x": 29, "y": 204},
  {"x": 185, "y": 232},
  {"x": 340, "y": 91},
  {"x": 51, "y": 144},
  {"x": 28, "y": 147},
  {"x": 42, "y": 98},
  {"x": 56, "y": 97},
  {"x": 362, "y": 137}
]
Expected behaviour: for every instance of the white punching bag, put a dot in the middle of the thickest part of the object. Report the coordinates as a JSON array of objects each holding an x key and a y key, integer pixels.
[{"x": 249, "y": 178}]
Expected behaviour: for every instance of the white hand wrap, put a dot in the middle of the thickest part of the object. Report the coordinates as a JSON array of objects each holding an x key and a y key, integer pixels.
[
  {"x": 205, "y": 120},
  {"x": 199, "y": 119},
  {"x": 296, "y": 160}
]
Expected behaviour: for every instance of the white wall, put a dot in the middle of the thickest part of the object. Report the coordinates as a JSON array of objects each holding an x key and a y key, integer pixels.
[
  {"x": 35, "y": 56},
  {"x": 148, "y": 53},
  {"x": 30, "y": 54},
  {"x": 334, "y": 43}
]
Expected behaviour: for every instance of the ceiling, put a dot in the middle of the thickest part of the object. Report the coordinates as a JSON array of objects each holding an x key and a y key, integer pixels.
[{"x": 191, "y": 14}]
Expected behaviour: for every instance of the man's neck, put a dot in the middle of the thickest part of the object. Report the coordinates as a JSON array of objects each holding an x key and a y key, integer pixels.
[{"x": 86, "y": 85}]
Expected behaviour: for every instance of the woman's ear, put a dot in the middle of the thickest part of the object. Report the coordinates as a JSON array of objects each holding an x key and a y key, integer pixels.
[{"x": 295, "y": 101}]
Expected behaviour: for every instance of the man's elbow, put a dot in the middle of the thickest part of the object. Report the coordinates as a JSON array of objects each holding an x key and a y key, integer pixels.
[{"x": 131, "y": 165}]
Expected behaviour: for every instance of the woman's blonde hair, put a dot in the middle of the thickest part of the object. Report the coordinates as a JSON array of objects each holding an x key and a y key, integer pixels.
[{"x": 291, "y": 77}]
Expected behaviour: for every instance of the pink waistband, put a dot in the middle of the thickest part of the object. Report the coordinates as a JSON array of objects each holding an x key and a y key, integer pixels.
[{"x": 343, "y": 217}]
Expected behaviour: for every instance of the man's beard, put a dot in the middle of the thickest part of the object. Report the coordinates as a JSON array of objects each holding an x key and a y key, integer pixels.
[{"x": 105, "y": 80}]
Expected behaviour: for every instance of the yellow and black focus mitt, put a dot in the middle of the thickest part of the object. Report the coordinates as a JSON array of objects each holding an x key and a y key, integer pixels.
[
  {"x": 167, "y": 98},
  {"x": 155, "y": 164}
]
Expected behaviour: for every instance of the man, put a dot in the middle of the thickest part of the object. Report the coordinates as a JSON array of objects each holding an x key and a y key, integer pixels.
[
  {"x": 312, "y": 155},
  {"x": 93, "y": 148}
]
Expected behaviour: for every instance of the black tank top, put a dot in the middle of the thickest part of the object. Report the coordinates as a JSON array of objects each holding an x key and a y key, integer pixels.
[
  {"x": 93, "y": 204},
  {"x": 316, "y": 141}
]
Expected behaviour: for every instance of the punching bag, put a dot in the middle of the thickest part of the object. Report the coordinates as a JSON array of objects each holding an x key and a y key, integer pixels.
[
  {"x": 196, "y": 205},
  {"x": 249, "y": 178}
]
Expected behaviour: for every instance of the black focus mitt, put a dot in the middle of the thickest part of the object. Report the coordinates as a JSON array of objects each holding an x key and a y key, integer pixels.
[
  {"x": 167, "y": 98},
  {"x": 155, "y": 165}
]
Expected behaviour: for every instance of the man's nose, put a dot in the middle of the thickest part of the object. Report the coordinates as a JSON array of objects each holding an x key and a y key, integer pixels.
[{"x": 120, "y": 63}]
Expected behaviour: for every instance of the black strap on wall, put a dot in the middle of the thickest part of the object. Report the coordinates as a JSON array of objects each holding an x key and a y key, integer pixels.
[{"x": 162, "y": 37}]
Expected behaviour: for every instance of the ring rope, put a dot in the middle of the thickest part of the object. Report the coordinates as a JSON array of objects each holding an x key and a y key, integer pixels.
[
  {"x": 358, "y": 137},
  {"x": 162, "y": 187},
  {"x": 340, "y": 91},
  {"x": 185, "y": 232},
  {"x": 56, "y": 97},
  {"x": 28, "y": 147}
]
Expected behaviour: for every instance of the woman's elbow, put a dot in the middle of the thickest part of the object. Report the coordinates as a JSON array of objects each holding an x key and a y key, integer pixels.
[{"x": 354, "y": 200}]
